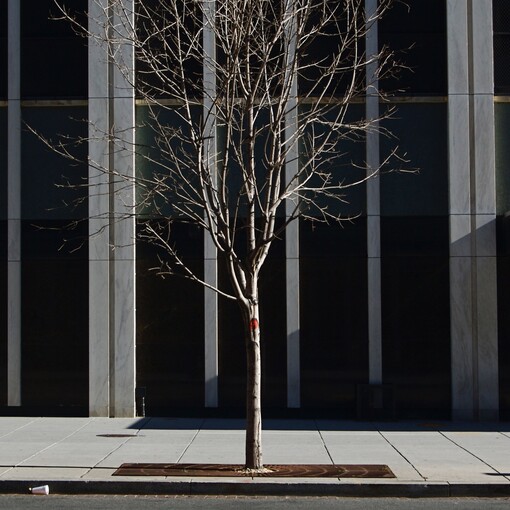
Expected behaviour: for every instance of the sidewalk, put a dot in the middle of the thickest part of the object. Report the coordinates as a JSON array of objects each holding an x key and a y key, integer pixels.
[{"x": 79, "y": 455}]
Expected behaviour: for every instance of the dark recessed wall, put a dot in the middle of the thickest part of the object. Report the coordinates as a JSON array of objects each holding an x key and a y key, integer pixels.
[
  {"x": 333, "y": 308},
  {"x": 170, "y": 333}
]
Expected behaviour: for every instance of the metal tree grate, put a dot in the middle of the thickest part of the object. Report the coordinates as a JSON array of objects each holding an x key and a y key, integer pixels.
[{"x": 273, "y": 470}]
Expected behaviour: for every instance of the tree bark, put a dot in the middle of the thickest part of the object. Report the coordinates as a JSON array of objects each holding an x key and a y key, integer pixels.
[{"x": 253, "y": 388}]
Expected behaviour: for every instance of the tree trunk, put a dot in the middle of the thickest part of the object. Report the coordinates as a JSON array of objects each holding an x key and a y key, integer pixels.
[{"x": 253, "y": 451}]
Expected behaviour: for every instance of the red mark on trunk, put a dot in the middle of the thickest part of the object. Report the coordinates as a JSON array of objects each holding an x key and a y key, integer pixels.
[{"x": 254, "y": 324}]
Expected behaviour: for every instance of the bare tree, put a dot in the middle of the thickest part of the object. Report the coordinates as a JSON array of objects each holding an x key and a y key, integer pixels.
[{"x": 248, "y": 103}]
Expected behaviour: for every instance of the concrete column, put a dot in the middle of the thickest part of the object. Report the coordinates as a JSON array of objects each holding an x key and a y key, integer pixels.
[
  {"x": 461, "y": 328},
  {"x": 99, "y": 210},
  {"x": 292, "y": 246},
  {"x": 473, "y": 292},
  {"x": 112, "y": 326},
  {"x": 293, "y": 316},
  {"x": 122, "y": 280},
  {"x": 13, "y": 206},
  {"x": 210, "y": 251},
  {"x": 484, "y": 211},
  {"x": 210, "y": 323},
  {"x": 373, "y": 206}
]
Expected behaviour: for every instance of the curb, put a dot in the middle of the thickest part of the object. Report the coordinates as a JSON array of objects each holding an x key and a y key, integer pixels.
[{"x": 265, "y": 488}]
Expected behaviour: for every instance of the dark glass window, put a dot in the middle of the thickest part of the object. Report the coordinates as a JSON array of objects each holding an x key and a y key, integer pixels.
[
  {"x": 3, "y": 316},
  {"x": 53, "y": 56},
  {"x": 49, "y": 239},
  {"x": 345, "y": 162},
  {"x": 231, "y": 351},
  {"x": 317, "y": 54},
  {"x": 159, "y": 65},
  {"x": 503, "y": 232},
  {"x": 415, "y": 263},
  {"x": 502, "y": 128},
  {"x": 416, "y": 334},
  {"x": 502, "y": 113},
  {"x": 3, "y": 254},
  {"x": 421, "y": 188},
  {"x": 53, "y": 187},
  {"x": 501, "y": 26},
  {"x": 3, "y": 50},
  {"x": 161, "y": 154},
  {"x": 416, "y": 31},
  {"x": 320, "y": 241},
  {"x": 54, "y": 309},
  {"x": 3, "y": 163},
  {"x": 170, "y": 332},
  {"x": 334, "y": 307},
  {"x": 414, "y": 236}
]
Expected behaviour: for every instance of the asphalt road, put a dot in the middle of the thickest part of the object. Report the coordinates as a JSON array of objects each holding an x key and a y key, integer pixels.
[{"x": 56, "y": 502}]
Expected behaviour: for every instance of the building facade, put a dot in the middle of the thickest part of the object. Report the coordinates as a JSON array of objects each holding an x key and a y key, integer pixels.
[{"x": 412, "y": 294}]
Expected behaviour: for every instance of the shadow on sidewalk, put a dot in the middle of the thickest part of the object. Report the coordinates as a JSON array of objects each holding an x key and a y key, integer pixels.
[{"x": 163, "y": 423}]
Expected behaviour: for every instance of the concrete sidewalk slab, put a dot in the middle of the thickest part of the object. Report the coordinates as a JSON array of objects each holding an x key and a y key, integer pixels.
[
  {"x": 75, "y": 455},
  {"x": 437, "y": 458},
  {"x": 368, "y": 448},
  {"x": 492, "y": 447}
]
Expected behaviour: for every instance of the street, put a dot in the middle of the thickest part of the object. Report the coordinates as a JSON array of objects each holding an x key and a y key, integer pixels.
[{"x": 58, "y": 502}]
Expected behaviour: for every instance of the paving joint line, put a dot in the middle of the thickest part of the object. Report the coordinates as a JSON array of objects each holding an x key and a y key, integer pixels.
[
  {"x": 473, "y": 455},
  {"x": 9, "y": 469},
  {"x": 20, "y": 464},
  {"x": 191, "y": 441},
  {"x": 20, "y": 428},
  {"x": 402, "y": 455},
  {"x": 506, "y": 437},
  {"x": 323, "y": 442},
  {"x": 96, "y": 465}
]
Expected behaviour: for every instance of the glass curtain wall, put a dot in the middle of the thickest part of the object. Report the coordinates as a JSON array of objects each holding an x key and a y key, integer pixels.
[
  {"x": 333, "y": 294},
  {"x": 414, "y": 214},
  {"x": 54, "y": 286},
  {"x": 170, "y": 311},
  {"x": 501, "y": 15}
]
